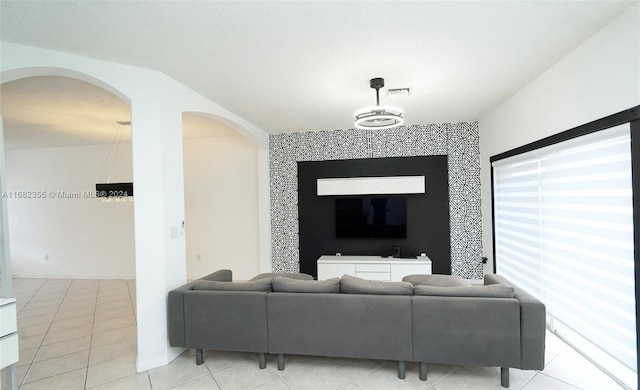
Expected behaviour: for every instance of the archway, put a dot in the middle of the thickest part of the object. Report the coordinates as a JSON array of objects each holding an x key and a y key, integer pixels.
[
  {"x": 73, "y": 253},
  {"x": 61, "y": 138}
]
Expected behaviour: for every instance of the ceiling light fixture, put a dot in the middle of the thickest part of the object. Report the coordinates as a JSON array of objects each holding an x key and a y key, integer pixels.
[
  {"x": 378, "y": 117},
  {"x": 114, "y": 191}
]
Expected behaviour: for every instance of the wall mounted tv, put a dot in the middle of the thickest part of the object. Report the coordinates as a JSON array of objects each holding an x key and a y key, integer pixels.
[{"x": 371, "y": 217}]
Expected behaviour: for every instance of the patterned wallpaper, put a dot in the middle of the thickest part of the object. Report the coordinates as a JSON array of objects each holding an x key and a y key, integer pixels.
[{"x": 459, "y": 141}]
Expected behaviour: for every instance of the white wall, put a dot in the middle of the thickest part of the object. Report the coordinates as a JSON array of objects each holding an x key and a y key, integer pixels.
[
  {"x": 598, "y": 78},
  {"x": 90, "y": 238},
  {"x": 83, "y": 237},
  {"x": 221, "y": 205}
]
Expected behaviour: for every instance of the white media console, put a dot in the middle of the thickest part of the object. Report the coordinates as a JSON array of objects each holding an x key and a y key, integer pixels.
[{"x": 372, "y": 267}]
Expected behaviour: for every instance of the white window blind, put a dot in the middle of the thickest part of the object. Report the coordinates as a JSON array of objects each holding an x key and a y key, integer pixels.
[{"x": 564, "y": 232}]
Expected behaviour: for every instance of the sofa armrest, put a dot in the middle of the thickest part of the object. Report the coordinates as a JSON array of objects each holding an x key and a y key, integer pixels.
[
  {"x": 532, "y": 324},
  {"x": 482, "y": 331},
  {"x": 175, "y": 306}
]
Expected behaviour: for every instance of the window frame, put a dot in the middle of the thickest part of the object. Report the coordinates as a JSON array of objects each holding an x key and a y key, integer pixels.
[{"x": 631, "y": 116}]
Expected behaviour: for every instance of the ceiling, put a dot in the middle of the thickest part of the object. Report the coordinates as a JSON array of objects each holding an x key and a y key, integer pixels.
[
  {"x": 298, "y": 66},
  {"x": 57, "y": 111}
]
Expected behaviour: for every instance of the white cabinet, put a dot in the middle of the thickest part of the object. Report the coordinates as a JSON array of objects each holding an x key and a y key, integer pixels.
[
  {"x": 372, "y": 267},
  {"x": 8, "y": 332},
  {"x": 373, "y": 271},
  {"x": 336, "y": 269},
  {"x": 371, "y": 185}
]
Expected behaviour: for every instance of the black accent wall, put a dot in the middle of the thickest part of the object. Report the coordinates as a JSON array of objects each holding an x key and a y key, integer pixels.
[{"x": 427, "y": 214}]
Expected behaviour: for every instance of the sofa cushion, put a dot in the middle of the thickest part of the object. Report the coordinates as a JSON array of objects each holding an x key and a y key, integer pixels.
[
  {"x": 436, "y": 280},
  {"x": 491, "y": 291},
  {"x": 354, "y": 285},
  {"x": 271, "y": 275},
  {"x": 257, "y": 285},
  {"x": 281, "y": 284}
]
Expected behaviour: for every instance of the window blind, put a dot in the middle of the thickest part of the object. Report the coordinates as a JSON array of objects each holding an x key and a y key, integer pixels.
[{"x": 563, "y": 225}]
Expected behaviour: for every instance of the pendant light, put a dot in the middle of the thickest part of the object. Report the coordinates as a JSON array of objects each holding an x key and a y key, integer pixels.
[
  {"x": 378, "y": 117},
  {"x": 114, "y": 191}
]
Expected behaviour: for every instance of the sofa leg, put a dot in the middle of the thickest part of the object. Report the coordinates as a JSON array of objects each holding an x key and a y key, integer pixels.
[
  {"x": 199, "y": 357},
  {"x": 401, "y": 369},
  {"x": 423, "y": 371},
  {"x": 280, "y": 362},
  {"x": 262, "y": 358},
  {"x": 504, "y": 376}
]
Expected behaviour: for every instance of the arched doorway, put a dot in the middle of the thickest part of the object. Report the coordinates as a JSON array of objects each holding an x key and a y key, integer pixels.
[
  {"x": 72, "y": 254},
  {"x": 61, "y": 137}
]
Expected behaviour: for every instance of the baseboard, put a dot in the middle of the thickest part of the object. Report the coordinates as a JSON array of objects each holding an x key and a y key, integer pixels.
[
  {"x": 159, "y": 361},
  {"x": 174, "y": 352},
  {"x": 150, "y": 364}
]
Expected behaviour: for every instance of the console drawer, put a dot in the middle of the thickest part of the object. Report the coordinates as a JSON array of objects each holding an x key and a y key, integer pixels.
[
  {"x": 8, "y": 323},
  {"x": 9, "y": 347},
  {"x": 375, "y": 275},
  {"x": 373, "y": 267},
  {"x": 8, "y": 335}
]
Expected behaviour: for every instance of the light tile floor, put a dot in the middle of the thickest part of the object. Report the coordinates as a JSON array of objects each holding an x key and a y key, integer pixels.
[{"x": 81, "y": 334}]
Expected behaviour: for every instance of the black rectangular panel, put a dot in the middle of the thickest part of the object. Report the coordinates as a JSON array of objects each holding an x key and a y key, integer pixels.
[{"x": 427, "y": 225}]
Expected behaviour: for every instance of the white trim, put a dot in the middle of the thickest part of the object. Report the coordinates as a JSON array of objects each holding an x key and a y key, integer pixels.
[
  {"x": 264, "y": 211},
  {"x": 148, "y": 364}
]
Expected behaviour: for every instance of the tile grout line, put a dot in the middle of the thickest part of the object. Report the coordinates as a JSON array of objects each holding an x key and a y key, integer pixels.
[
  {"x": 67, "y": 354},
  {"x": 26, "y": 374},
  {"x": 92, "y": 334},
  {"x": 86, "y": 372},
  {"x": 559, "y": 380},
  {"x": 66, "y": 294},
  {"x": 208, "y": 369},
  {"x": 530, "y": 379},
  {"x": 31, "y": 297},
  {"x": 93, "y": 324},
  {"x": 149, "y": 380}
]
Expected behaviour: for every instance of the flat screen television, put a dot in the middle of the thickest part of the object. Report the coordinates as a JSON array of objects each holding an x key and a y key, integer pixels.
[{"x": 371, "y": 217}]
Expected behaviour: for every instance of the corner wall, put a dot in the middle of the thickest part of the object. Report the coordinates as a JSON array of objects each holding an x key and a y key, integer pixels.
[
  {"x": 598, "y": 78},
  {"x": 221, "y": 206},
  {"x": 459, "y": 141}
]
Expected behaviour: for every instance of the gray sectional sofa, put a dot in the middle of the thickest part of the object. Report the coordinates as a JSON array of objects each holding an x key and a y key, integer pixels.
[{"x": 424, "y": 319}]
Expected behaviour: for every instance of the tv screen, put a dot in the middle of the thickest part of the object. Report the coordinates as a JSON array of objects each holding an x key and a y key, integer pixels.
[{"x": 371, "y": 217}]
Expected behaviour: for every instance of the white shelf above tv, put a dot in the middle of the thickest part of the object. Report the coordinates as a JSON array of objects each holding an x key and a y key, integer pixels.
[{"x": 383, "y": 185}]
